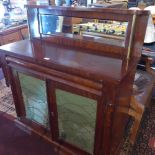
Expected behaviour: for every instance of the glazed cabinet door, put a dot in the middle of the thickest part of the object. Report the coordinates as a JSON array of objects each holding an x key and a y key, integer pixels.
[
  {"x": 35, "y": 99},
  {"x": 30, "y": 96},
  {"x": 76, "y": 119},
  {"x": 76, "y": 115}
]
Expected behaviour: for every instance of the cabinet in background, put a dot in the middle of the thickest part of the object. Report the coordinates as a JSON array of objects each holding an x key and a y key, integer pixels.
[{"x": 13, "y": 34}]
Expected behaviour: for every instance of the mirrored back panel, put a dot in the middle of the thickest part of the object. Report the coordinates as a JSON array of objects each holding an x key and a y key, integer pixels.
[
  {"x": 108, "y": 31},
  {"x": 97, "y": 30}
]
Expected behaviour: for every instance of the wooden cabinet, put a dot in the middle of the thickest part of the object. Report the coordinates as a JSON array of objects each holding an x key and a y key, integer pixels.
[
  {"x": 75, "y": 91},
  {"x": 13, "y": 34},
  {"x": 24, "y": 32},
  {"x": 12, "y": 37},
  {"x": 154, "y": 19}
]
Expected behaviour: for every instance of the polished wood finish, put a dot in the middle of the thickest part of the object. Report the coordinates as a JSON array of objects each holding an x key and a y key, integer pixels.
[
  {"x": 103, "y": 72},
  {"x": 140, "y": 101},
  {"x": 13, "y": 37},
  {"x": 13, "y": 34},
  {"x": 153, "y": 19},
  {"x": 25, "y": 33}
]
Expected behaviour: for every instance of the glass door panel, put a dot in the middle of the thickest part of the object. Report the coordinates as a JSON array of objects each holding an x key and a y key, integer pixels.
[
  {"x": 35, "y": 99},
  {"x": 76, "y": 119}
]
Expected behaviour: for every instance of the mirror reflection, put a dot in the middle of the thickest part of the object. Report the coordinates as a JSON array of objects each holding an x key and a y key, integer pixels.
[
  {"x": 100, "y": 27},
  {"x": 51, "y": 24}
]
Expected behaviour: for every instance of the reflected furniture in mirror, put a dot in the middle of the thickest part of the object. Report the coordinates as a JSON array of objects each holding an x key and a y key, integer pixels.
[{"x": 74, "y": 90}]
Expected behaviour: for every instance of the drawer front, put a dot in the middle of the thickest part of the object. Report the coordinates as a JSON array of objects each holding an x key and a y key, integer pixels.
[
  {"x": 85, "y": 84},
  {"x": 13, "y": 37}
]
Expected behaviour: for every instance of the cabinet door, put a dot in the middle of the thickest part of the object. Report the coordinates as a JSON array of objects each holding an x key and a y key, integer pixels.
[
  {"x": 33, "y": 91},
  {"x": 76, "y": 118}
]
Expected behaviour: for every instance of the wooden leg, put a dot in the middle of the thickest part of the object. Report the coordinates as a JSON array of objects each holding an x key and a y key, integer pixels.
[{"x": 135, "y": 128}]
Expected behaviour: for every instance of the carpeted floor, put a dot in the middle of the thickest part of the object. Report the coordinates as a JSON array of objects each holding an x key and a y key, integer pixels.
[
  {"x": 6, "y": 101},
  {"x": 13, "y": 141},
  {"x": 145, "y": 143}
]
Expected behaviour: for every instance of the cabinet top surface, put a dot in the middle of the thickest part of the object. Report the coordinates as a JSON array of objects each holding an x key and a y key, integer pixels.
[{"x": 66, "y": 60}]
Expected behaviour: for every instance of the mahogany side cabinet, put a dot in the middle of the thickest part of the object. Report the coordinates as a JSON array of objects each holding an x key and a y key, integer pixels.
[{"x": 74, "y": 90}]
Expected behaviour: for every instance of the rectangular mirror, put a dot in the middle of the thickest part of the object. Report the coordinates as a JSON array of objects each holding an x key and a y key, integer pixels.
[
  {"x": 91, "y": 29},
  {"x": 50, "y": 24}
]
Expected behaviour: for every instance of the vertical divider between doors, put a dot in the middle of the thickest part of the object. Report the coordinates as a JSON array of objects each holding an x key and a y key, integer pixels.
[
  {"x": 99, "y": 124},
  {"x": 53, "y": 115}
]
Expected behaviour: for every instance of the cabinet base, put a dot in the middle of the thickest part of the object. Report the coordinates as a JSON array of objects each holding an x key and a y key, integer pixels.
[{"x": 58, "y": 149}]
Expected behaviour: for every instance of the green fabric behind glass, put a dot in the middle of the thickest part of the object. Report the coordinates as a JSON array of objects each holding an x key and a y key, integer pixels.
[
  {"x": 76, "y": 119},
  {"x": 35, "y": 99}
]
